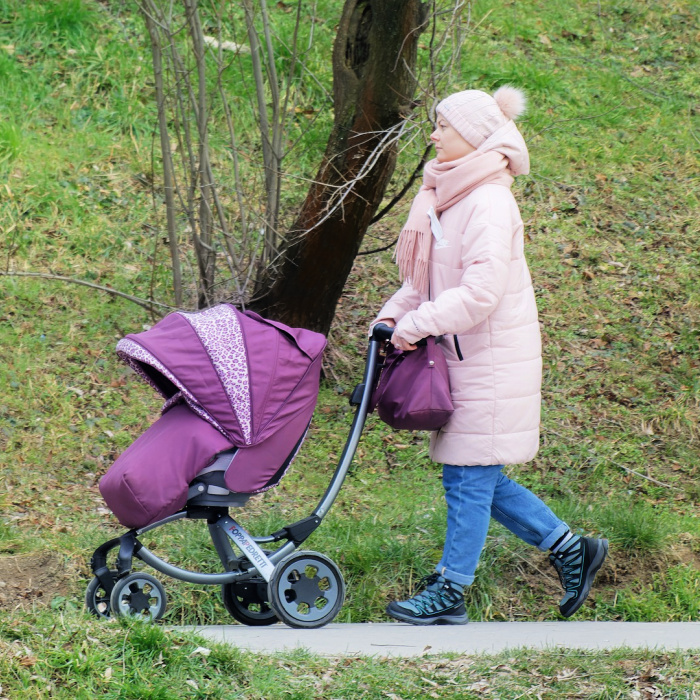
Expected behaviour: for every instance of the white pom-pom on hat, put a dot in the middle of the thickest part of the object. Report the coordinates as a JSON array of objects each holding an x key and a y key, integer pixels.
[{"x": 511, "y": 101}]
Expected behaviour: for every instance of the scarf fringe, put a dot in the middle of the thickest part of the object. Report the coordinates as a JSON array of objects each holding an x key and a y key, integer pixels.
[{"x": 412, "y": 257}]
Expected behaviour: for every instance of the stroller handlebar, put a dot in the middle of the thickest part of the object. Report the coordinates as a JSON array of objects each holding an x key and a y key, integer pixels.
[{"x": 383, "y": 332}]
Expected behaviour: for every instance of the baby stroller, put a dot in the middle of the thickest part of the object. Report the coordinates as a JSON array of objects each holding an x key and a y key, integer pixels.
[{"x": 239, "y": 394}]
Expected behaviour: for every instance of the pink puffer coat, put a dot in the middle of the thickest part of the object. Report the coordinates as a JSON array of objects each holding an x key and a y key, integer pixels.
[{"x": 482, "y": 293}]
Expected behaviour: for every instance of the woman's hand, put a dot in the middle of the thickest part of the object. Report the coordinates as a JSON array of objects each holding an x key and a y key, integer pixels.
[{"x": 399, "y": 342}]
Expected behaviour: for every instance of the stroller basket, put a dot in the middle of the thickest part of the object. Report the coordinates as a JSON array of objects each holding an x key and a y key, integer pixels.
[{"x": 239, "y": 395}]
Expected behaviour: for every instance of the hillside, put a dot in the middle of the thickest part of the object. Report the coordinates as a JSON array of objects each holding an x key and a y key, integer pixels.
[{"x": 611, "y": 211}]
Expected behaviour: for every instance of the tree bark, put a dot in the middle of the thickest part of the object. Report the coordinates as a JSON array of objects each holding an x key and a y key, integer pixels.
[{"x": 374, "y": 58}]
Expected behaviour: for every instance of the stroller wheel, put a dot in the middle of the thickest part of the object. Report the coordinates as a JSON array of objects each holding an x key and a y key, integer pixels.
[
  {"x": 246, "y": 602},
  {"x": 306, "y": 590},
  {"x": 97, "y": 597},
  {"x": 138, "y": 595}
]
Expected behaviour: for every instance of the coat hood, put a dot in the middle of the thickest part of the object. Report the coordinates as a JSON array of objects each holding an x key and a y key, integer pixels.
[{"x": 510, "y": 142}]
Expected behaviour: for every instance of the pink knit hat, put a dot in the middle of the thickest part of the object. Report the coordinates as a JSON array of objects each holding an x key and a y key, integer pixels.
[{"x": 477, "y": 116}]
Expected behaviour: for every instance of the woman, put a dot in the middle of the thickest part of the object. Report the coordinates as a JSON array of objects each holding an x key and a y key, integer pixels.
[{"x": 465, "y": 277}]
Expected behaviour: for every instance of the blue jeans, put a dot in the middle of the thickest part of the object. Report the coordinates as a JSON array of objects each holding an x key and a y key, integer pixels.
[{"x": 474, "y": 495}]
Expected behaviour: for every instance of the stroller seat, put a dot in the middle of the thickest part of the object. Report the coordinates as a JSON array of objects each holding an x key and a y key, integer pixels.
[
  {"x": 240, "y": 391},
  {"x": 208, "y": 489}
]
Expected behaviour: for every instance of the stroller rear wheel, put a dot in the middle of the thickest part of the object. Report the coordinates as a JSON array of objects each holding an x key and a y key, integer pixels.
[
  {"x": 306, "y": 590},
  {"x": 97, "y": 596},
  {"x": 246, "y": 602},
  {"x": 138, "y": 595}
]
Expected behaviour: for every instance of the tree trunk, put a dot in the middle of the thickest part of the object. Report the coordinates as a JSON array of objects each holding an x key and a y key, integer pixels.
[{"x": 373, "y": 71}]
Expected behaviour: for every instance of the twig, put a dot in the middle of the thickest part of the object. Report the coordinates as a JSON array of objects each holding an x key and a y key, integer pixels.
[
  {"x": 407, "y": 185},
  {"x": 526, "y": 561},
  {"x": 147, "y": 304},
  {"x": 555, "y": 124},
  {"x": 643, "y": 476},
  {"x": 379, "y": 250}
]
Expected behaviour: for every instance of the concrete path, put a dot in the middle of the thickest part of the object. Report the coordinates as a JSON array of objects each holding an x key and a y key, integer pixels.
[{"x": 396, "y": 639}]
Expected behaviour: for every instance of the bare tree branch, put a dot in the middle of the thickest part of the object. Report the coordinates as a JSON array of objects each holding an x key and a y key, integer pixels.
[
  {"x": 402, "y": 192},
  {"x": 148, "y": 304},
  {"x": 168, "y": 180}
]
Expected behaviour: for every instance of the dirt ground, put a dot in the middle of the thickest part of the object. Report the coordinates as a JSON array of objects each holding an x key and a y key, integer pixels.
[{"x": 31, "y": 580}]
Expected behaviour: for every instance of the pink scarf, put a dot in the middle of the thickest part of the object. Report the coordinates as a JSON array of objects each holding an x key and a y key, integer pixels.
[{"x": 444, "y": 184}]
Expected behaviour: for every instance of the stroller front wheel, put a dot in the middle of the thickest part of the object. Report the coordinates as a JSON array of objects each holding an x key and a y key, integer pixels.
[
  {"x": 306, "y": 590},
  {"x": 138, "y": 595},
  {"x": 97, "y": 597}
]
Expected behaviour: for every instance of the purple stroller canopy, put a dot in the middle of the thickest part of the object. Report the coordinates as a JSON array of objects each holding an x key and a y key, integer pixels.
[{"x": 254, "y": 380}]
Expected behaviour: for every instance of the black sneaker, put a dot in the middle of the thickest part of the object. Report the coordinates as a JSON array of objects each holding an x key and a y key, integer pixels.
[
  {"x": 577, "y": 563},
  {"x": 440, "y": 603}
]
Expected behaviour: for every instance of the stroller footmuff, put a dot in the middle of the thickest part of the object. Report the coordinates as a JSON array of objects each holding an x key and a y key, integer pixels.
[
  {"x": 239, "y": 395},
  {"x": 150, "y": 479}
]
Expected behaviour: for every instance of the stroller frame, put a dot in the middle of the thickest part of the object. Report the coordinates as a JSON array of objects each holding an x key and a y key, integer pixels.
[{"x": 303, "y": 589}]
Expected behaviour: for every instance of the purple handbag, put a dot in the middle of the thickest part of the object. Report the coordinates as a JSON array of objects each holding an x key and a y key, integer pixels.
[{"x": 413, "y": 390}]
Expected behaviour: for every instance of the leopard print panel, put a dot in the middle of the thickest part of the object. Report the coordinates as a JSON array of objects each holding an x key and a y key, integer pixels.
[
  {"x": 221, "y": 335},
  {"x": 134, "y": 354}
]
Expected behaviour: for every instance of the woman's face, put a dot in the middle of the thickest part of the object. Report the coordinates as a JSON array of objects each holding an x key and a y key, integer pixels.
[{"x": 449, "y": 143}]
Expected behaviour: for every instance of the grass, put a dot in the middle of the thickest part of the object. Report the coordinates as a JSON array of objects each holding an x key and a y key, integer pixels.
[
  {"x": 613, "y": 243},
  {"x": 69, "y": 656}
]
